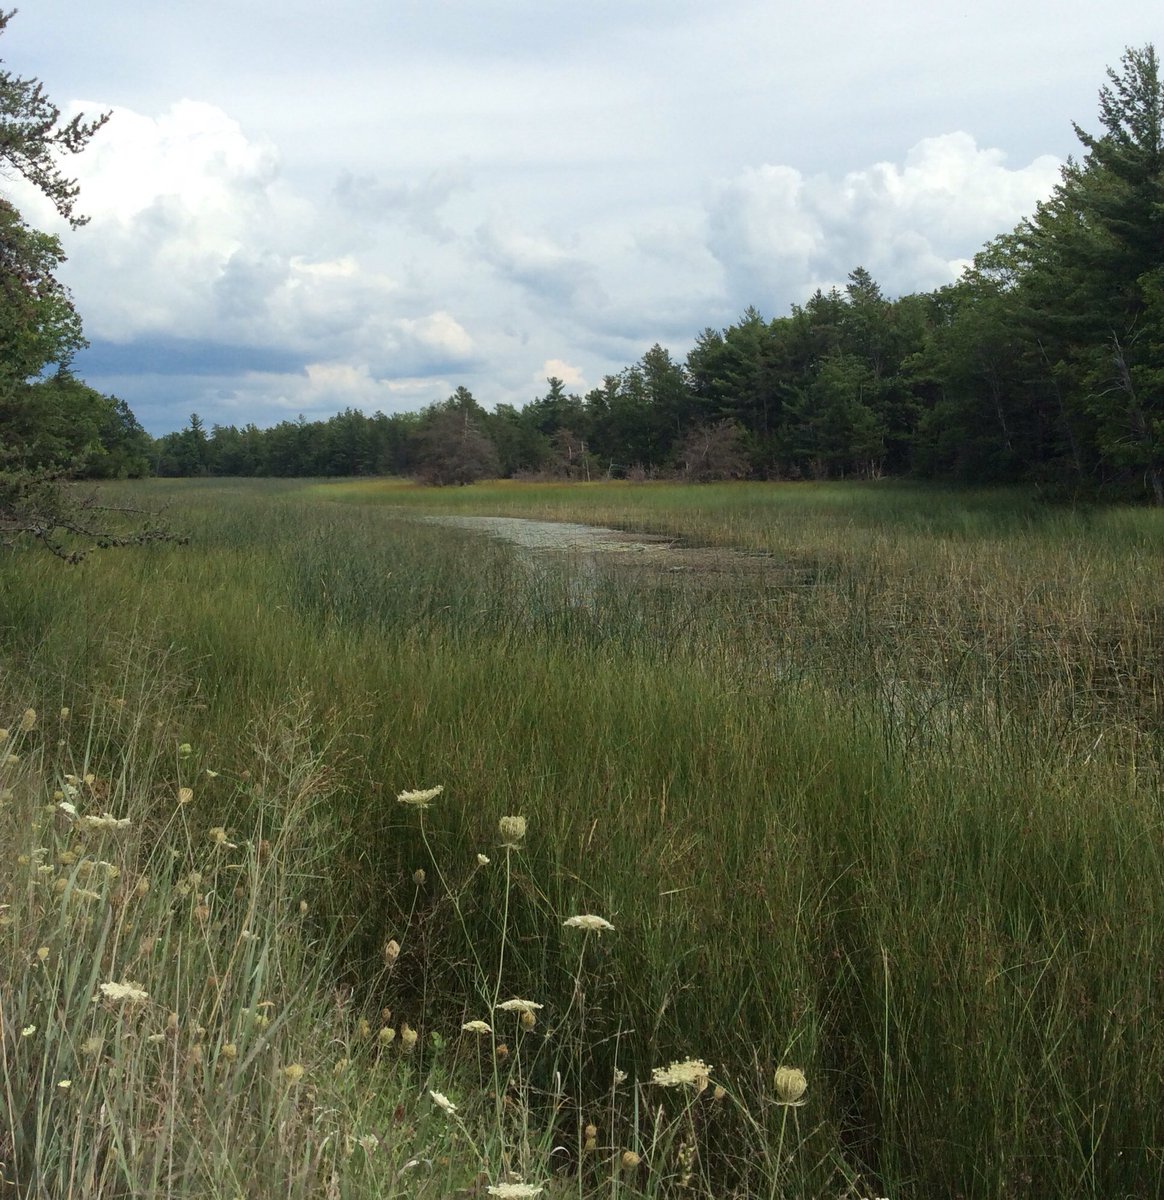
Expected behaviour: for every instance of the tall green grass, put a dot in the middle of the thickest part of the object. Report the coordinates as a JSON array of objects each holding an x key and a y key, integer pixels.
[{"x": 882, "y": 805}]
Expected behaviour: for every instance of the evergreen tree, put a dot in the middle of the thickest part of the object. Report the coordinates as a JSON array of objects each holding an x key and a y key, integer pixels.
[
  {"x": 452, "y": 448},
  {"x": 1091, "y": 261}
]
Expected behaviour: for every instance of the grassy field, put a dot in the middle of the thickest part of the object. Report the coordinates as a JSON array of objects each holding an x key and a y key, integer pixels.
[{"x": 882, "y": 806}]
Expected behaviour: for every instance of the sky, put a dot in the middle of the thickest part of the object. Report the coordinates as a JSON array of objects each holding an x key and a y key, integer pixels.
[{"x": 297, "y": 209}]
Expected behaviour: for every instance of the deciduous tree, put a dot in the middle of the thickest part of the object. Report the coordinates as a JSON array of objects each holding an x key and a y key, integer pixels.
[{"x": 58, "y": 428}]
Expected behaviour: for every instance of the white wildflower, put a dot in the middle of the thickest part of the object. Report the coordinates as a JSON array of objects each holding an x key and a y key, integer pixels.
[
  {"x": 421, "y": 797},
  {"x": 480, "y": 1027},
  {"x": 692, "y": 1072},
  {"x": 131, "y": 993},
  {"x": 588, "y": 921},
  {"x": 443, "y": 1102},
  {"x": 515, "y": 1191},
  {"x": 104, "y": 821},
  {"x": 519, "y": 1006}
]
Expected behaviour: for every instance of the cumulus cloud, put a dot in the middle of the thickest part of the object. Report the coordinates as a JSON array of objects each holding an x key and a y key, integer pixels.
[
  {"x": 779, "y": 233},
  {"x": 441, "y": 332},
  {"x": 200, "y": 258},
  {"x": 557, "y": 368},
  {"x": 190, "y": 224}
]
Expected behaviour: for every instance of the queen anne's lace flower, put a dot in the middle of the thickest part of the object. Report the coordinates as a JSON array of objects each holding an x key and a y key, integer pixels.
[
  {"x": 589, "y": 921},
  {"x": 443, "y": 1102},
  {"x": 512, "y": 830},
  {"x": 692, "y": 1072},
  {"x": 520, "y": 1006},
  {"x": 420, "y": 798},
  {"x": 515, "y": 1191},
  {"x": 128, "y": 993},
  {"x": 476, "y": 1027},
  {"x": 104, "y": 821}
]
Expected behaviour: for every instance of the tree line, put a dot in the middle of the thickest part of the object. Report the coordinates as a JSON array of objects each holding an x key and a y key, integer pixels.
[{"x": 1043, "y": 363}]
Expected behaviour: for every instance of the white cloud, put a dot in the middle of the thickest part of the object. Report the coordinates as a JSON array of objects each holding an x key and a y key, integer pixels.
[
  {"x": 190, "y": 225},
  {"x": 195, "y": 235},
  {"x": 778, "y": 233},
  {"x": 439, "y": 332},
  {"x": 557, "y": 368},
  {"x": 193, "y": 153}
]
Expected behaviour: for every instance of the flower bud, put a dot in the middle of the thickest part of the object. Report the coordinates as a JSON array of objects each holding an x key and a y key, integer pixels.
[
  {"x": 512, "y": 831},
  {"x": 790, "y": 1085}
]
